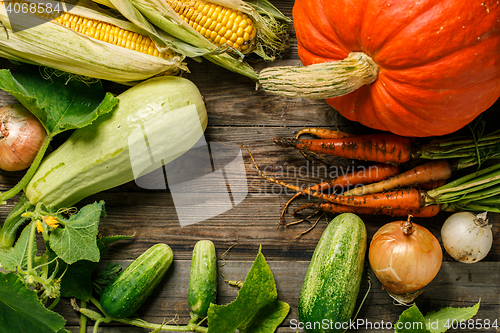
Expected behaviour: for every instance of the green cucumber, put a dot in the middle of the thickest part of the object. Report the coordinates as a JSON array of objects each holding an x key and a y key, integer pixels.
[
  {"x": 203, "y": 278},
  {"x": 121, "y": 298},
  {"x": 331, "y": 285},
  {"x": 98, "y": 157}
]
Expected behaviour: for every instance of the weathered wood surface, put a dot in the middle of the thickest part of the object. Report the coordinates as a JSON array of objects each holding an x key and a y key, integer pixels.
[{"x": 242, "y": 115}]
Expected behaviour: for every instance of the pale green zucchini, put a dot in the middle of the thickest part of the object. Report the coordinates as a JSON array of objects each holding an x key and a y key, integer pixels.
[
  {"x": 331, "y": 286},
  {"x": 98, "y": 157}
]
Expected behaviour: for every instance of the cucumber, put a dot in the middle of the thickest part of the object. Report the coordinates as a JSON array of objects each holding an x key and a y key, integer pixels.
[
  {"x": 203, "y": 278},
  {"x": 331, "y": 285},
  {"x": 168, "y": 110},
  {"x": 121, "y": 298}
]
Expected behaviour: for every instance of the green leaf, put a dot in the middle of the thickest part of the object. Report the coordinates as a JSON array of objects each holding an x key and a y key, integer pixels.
[
  {"x": 21, "y": 311},
  {"x": 77, "y": 280},
  {"x": 18, "y": 257},
  {"x": 244, "y": 313},
  {"x": 105, "y": 276},
  {"x": 411, "y": 321},
  {"x": 75, "y": 238},
  {"x": 59, "y": 102},
  {"x": 269, "y": 318},
  {"x": 440, "y": 321}
]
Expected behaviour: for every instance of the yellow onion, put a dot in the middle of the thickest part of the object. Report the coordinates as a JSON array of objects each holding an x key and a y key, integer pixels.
[
  {"x": 404, "y": 256},
  {"x": 21, "y": 136}
]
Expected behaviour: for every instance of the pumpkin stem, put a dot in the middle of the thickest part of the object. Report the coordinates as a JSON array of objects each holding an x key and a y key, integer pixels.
[{"x": 323, "y": 80}]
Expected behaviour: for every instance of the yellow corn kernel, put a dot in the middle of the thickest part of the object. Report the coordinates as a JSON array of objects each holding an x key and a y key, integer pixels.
[
  {"x": 222, "y": 26},
  {"x": 104, "y": 32}
]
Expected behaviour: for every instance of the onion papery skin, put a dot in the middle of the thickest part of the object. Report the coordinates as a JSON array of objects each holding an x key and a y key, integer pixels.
[
  {"x": 464, "y": 239},
  {"x": 404, "y": 263},
  {"x": 21, "y": 137}
]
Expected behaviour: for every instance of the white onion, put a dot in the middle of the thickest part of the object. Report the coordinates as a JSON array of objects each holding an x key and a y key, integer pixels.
[{"x": 467, "y": 237}]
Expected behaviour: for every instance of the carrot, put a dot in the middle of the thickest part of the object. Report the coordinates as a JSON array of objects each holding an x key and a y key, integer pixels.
[
  {"x": 374, "y": 173},
  {"x": 432, "y": 185},
  {"x": 391, "y": 148},
  {"x": 322, "y": 133},
  {"x": 330, "y": 207},
  {"x": 366, "y": 175},
  {"x": 425, "y": 173},
  {"x": 407, "y": 198},
  {"x": 384, "y": 148}
]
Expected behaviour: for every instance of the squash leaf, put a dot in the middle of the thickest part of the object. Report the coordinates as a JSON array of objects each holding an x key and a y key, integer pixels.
[
  {"x": 268, "y": 318},
  {"x": 60, "y": 103},
  {"x": 255, "y": 309},
  {"x": 18, "y": 257},
  {"x": 21, "y": 311},
  {"x": 76, "y": 280},
  {"x": 105, "y": 276},
  {"x": 440, "y": 321},
  {"x": 75, "y": 238},
  {"x": 413, "y": 321}
]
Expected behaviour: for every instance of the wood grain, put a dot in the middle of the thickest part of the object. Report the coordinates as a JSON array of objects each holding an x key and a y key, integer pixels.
[{"x": 240, "y": 114}]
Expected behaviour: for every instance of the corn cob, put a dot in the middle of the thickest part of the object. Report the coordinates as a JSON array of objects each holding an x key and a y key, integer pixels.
[
  {"x": 252, "y": 26},
  {"x": 221, "y": 25},
  {"x": 85, "y": 40},
  {"x": 109, "y": 33}
]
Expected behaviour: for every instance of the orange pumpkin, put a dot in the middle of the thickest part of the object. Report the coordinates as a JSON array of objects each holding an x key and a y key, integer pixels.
[{"x": 438, "y": 61}]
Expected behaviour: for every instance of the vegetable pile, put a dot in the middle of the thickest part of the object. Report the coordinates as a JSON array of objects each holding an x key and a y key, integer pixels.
[
  {"x": 95, "y": 157},
  {"x": 387, "y": 190},
  {"x": 405, "y": 256},
  {"x": 416, "y": 70}
]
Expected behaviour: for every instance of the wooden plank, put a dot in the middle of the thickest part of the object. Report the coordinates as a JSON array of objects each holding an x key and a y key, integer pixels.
[{"x": 455, "y": 285}]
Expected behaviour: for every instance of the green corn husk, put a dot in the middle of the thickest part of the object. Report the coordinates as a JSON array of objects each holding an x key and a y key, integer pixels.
[
  {"x": 271, "y": 24},
  {"x": 53, "y": 45}
]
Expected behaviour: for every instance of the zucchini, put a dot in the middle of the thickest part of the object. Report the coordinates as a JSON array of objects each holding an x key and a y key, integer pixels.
[
  {"x": 121, "y": 298},
  {"x": 203, "y": 278},
  {"x": 331, "y": 285},
  {"x": 98, "y": 157}
]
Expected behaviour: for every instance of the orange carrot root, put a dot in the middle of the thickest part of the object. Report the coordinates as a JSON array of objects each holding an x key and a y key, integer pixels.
[
  {"x": 373, "y": 173},
  {"x": 425, "y": 173},
  {"x": 432, "y": 185},
  {"x": 407, "y": 198},
  {"x": 427, "y": 211},
  {"x": 384, "y": 148},
  {"x": 322, "y": 133},
  {"x": 367, "y": 175}
]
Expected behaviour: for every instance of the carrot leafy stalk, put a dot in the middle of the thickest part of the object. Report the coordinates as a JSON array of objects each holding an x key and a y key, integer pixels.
[{"x": 477, "y": 191}]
